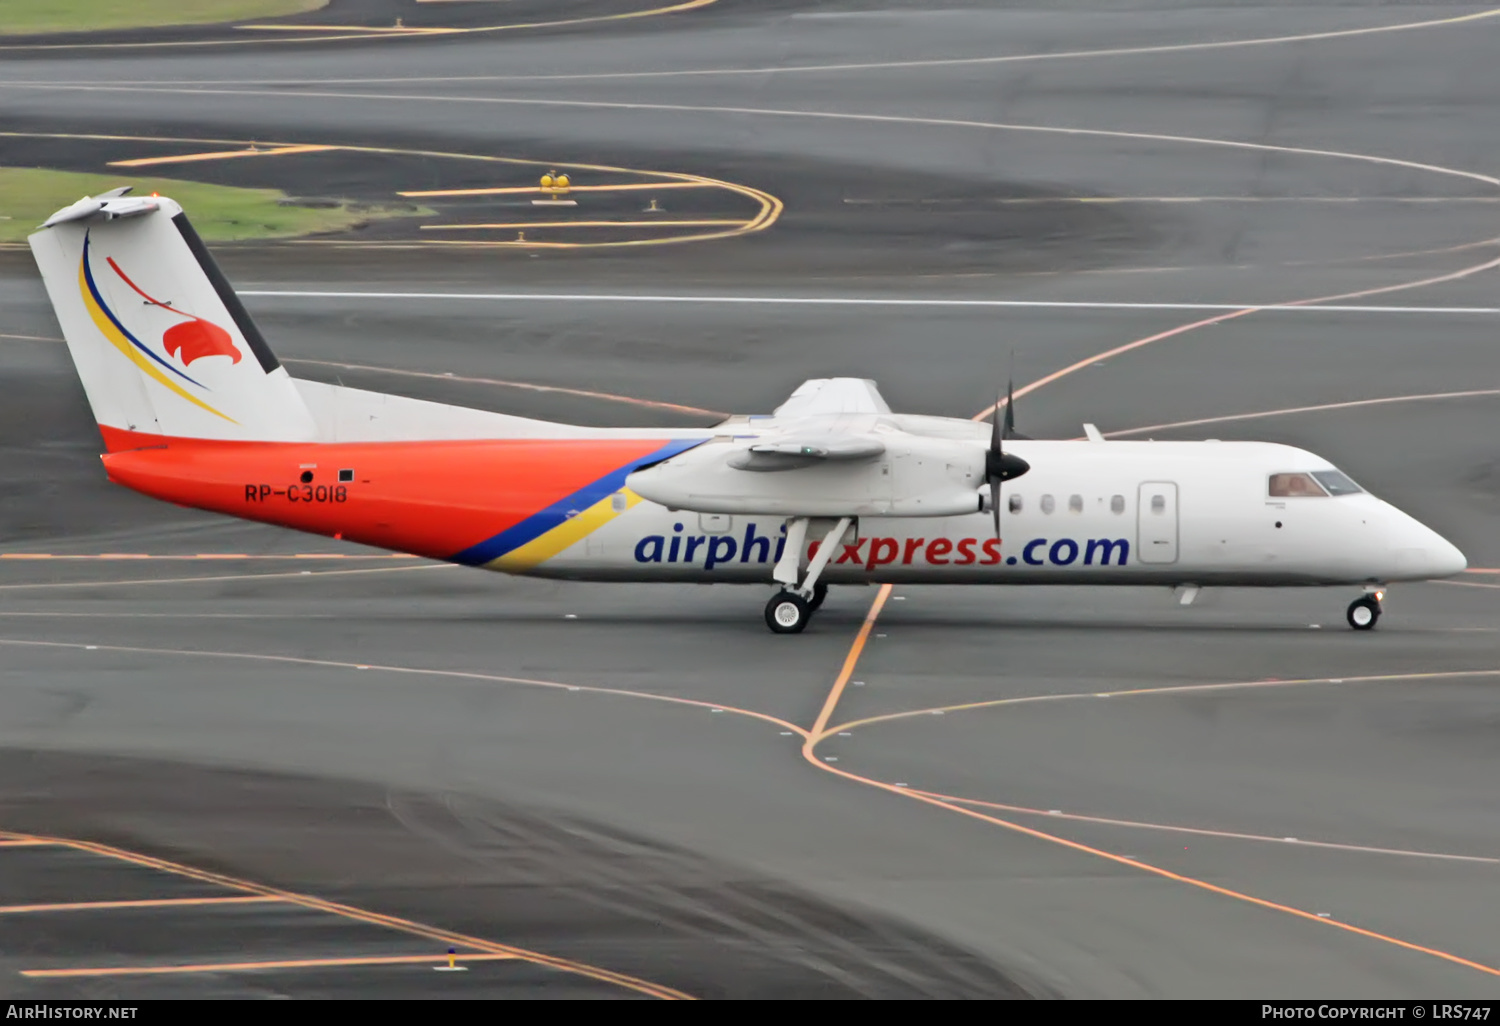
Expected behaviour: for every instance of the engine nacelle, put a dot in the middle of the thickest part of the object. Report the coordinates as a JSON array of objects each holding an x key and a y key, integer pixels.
[{"x": 913, "y": 477}]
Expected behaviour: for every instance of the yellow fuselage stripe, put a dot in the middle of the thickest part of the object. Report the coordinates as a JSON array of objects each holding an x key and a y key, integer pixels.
[{"x": 568, "y": 533}]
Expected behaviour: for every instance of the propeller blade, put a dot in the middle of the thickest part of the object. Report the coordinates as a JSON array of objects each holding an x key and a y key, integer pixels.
[
  {"x": 999, "y": 465},
  {"x": 994, "y": 464}
]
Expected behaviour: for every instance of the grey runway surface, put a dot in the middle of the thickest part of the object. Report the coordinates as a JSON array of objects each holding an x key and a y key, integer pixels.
[{"x": 1044, "y": 792}]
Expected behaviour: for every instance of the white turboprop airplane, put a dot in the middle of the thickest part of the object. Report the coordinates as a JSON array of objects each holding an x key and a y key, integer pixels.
[{"x": 832, "y": 488}]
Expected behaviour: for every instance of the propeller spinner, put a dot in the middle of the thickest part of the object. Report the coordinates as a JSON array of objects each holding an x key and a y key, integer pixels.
[{"x": 999, "y": 465}]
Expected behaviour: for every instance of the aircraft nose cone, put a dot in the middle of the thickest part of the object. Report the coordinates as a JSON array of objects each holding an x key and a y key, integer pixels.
[
  {"x": 1423, "y": 554},
  {"x": 1447, "y": 559}
]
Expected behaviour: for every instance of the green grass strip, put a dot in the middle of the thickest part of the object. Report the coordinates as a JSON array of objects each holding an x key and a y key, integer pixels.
[
  {"x": 221, "y": 213},
  {"x": 20, "y": 17}
]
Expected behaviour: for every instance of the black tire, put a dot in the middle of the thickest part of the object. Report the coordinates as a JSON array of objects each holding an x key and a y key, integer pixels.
[
  {"x": 1363, "y": 613},
  {"x": 820, "y": 592},
  {"x": 787, "y": 613}
]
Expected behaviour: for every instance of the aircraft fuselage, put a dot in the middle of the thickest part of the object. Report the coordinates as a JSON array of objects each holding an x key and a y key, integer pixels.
[{"x": 1098, "y": 513}]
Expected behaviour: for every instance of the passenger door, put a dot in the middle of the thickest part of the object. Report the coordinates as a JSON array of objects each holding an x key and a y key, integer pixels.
[{"x": 1156, "y": 522}]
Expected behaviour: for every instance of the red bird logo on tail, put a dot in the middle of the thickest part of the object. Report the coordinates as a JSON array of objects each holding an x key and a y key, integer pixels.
[
  {"x": 197, "y": 338},
  {"x": 192, "y": 340}
]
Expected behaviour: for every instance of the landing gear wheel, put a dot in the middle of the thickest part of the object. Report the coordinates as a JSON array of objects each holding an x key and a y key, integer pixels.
[
  {"x": 1363, "y": 612},
  {"x": 787, "y": 613},
  {"x": 820, "y": 592}
]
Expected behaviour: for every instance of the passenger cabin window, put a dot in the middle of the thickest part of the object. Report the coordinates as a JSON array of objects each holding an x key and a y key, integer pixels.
[
  {"x": 1336, "y": 483},
  {"x": 1288, "y": 485},
  {"x": 1048, "y": 505},
  {"x": 1158, "y": 503},
  {"x": 1117, "y": 504},
  {"x": 1075, "y": 504},
  {"x": 1015, "y": 503}
]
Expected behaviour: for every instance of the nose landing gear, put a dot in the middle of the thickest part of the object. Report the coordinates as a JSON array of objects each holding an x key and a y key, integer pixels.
[{"x": 1364, "y": 611}]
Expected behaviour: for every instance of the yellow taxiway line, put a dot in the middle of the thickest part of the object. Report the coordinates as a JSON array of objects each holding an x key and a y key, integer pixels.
[
  {"x": 583, "y": 224},
  {"x": 519, "y": 189},
  {"x": 769, "y": 212},
  {"x": 387, "y": 31},
  {"x": 193, "y": 158}
]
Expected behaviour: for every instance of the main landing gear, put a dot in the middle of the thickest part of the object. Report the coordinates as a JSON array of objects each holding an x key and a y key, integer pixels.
[
  {"x": 788, "y": 612},
  {"x": 792, "y": 606},
  {"x": 1364, "y": 611}
]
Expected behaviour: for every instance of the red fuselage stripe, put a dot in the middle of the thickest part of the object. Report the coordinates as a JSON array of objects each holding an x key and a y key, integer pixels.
[{"x": 435, "y": 499}]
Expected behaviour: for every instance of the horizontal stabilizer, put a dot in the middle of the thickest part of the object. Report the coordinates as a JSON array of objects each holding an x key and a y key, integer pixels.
[{"x": 106, "y": 206}]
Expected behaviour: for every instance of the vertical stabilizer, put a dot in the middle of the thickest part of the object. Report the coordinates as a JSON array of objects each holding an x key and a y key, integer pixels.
[{"x": 161, "y": 342}]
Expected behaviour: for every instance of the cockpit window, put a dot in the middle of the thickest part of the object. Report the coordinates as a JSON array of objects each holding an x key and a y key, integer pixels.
[
  {"x": 1336, "y": 482},
  {"x": 1283, "y": 485}
]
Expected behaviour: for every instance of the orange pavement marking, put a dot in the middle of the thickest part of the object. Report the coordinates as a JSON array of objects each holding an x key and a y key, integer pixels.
[
  {"x": 34, "y": 585},
  {"x": 290, "y": 963},
  {"x": 1170, "y": 689},
  {"x": 23, "y": 842},
  {"x": 1384, "y": 400},
  {"x": 411, "y": 670},
  {"x": 193, "y": 158},
  {"x": 847, "y": 670},
  {"x": 404, "y": 32},
  {"x": 447, "y": 937},
  {"x": 205, "y": 555},
  {"x": 1116, "y": 351},
  {"x": 525, "y": 385},
  {"x": 90, "y": 906},
  {"x": 1154, "y": 870},
  {"x": 819, "y": 731},
  {"x": 1203, "y": 832}
]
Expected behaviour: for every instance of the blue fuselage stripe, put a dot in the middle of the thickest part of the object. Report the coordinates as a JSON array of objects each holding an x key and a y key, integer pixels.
[{"x": 540, "y": 523}]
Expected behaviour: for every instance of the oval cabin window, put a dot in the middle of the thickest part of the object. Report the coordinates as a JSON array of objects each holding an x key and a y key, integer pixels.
[
  {"x": 1048, "y": 505},
  {"x": 1158, "y": 503}
]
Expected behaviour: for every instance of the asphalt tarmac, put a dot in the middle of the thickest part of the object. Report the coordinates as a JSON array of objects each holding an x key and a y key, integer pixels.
[{"x": 631, "y": 790}]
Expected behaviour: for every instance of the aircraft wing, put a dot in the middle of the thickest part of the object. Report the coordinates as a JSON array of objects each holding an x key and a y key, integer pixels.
[
  {"x": 834, "y": 449},
  {"x": 822, "y": 396}
]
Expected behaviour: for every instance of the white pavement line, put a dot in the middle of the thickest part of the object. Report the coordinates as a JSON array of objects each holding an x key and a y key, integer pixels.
[
  {"x": 934, "y": 62},
  {"x": 793, "y": 113},
  {"x": 913, "y": 301}
]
